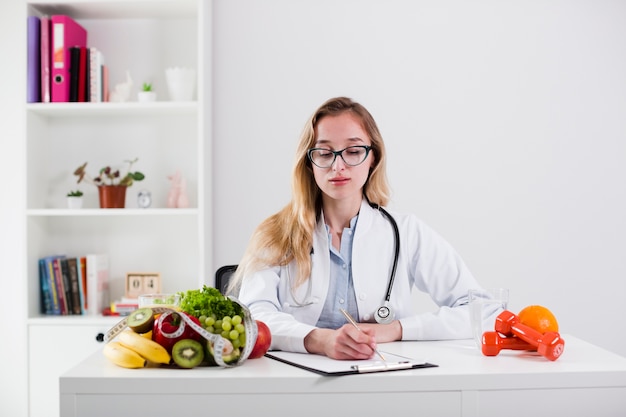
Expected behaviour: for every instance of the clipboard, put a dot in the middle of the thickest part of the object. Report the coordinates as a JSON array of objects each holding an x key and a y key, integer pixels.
[{"x": 326, "y": 366}]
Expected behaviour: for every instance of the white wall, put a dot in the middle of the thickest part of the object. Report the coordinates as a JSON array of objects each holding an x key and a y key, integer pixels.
[
  {"x": 504, "y": 120},
  {"x": 13, "y": 348}
]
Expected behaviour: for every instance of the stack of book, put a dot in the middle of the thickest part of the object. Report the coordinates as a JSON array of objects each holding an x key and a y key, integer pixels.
[
  {"x": 74, "y": 285},
  {"x": 61, "y": 67}
]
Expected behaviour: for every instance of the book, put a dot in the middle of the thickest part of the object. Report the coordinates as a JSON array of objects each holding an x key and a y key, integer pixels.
[
  {"x": 97, "y": 282},
  {"x": 54, "y": 296},
  {"x": 45, "y": 58},
  {"x": 124, "y": 306},
  {"x": 83, "y": 276},
  {"x": 82, "y": 75},
  {"x": 82, "y": 284},
  {"x": 45, "y": 293},
  {"x": 96, "y": 63},
  {"x": 74, "y": 73},
  {"x": 58, "y": 282},
  {"x": 66, "y": 33},
  {"x": 105, "y": 82},
  {"x": 33, "y": 60},
  {"x": 72, "y": 268},
  {"x": 67, "y": 286}
]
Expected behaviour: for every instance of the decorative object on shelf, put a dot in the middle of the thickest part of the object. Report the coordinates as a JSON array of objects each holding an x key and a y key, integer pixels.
[
  {"x": 181, "y": 83},
  {"x": 138, "y": 283},
  {"x": 112, "y": 196},
  {"x": 177, "y": 196},
  {"x": 75, "y": 199},
  {"x": 147, "y": 94},
  {"x": 144, "y": 199},
  {"x": 121, "y": 91},
  {"x": 111, "y": 184}
]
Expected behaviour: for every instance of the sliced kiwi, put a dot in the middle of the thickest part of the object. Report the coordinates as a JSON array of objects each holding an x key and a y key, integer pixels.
[
  {"x": 141, "y": 320},
  {"x": 187, "y": 353}
]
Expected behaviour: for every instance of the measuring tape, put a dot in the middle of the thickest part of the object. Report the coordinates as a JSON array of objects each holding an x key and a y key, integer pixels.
[{"x": 219, "y": 343}]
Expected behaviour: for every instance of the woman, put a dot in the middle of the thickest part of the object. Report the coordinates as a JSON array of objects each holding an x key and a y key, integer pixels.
[{"x": 332, "y": 247}]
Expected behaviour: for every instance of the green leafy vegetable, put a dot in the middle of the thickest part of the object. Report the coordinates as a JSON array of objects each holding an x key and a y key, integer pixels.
[{"x": 208, "y": 301}]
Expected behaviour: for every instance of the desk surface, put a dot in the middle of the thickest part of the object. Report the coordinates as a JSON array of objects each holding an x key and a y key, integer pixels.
[{"x": 465, "y": 383}]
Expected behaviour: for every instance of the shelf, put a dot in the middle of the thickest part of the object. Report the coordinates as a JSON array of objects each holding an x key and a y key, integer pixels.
[
  {"x": 117, "y": 9},
  {"x": 129, "y": 109},
  {"x": 83, "y": 320},
  {"x": 110, "y": 212}
]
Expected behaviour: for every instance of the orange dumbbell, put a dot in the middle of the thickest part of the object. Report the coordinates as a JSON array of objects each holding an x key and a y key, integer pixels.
[
  {"x": 549, "y": 344},
  {"x": 493, "y": 343}
]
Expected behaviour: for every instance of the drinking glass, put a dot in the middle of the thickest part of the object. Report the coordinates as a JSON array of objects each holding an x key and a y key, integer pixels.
[{"x": 485, "y": 304}]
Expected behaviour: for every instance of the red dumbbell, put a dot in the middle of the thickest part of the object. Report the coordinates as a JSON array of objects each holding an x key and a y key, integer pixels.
[
  {"x": 549, "y": 345},
  {"x": 493, "y": 343}
]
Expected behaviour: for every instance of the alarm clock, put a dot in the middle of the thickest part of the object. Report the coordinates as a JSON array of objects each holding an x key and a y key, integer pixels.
[{"x": 144, "y": 199}]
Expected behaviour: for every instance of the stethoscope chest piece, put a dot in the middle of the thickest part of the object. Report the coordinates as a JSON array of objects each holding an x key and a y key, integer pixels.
[{"x": 384, "y": 314}]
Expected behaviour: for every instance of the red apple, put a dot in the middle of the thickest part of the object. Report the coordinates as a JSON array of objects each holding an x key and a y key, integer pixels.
[
  {"x": 170, "y": 328},
  {"x": 263, "y": 341}
]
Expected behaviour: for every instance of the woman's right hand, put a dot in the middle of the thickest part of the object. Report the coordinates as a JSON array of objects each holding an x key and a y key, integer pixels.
[{"x": 347, "y": 342}]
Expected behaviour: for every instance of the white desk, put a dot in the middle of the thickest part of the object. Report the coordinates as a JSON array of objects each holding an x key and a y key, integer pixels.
[{"x": 584, "y": 381}]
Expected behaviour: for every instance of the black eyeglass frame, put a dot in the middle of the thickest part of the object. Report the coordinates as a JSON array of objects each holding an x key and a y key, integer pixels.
[{"x": 339, "y": 153}]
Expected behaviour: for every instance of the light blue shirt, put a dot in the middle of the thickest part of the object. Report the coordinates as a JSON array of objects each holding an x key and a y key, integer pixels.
[{"x": 341, "y": 288}]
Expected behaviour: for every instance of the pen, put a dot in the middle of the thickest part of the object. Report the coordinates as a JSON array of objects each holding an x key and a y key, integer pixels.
[{"x": 356, "y": 326}]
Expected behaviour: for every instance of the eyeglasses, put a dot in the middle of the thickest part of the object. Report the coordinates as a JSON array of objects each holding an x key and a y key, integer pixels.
[{"x": 352, "y": 156}]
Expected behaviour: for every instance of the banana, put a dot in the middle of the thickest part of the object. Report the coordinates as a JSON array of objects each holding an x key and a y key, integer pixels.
[
  {"x": 122, "y": 356},
  {"x": 149, "y": 349},
  {"x": 147, "y": 335}
]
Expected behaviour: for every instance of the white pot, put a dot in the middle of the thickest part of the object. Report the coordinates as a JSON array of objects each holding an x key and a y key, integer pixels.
[
  {"x": 146, "y": 96},
  {"x": 181, "y": 83},
  {"x": 74, "y": 202}
]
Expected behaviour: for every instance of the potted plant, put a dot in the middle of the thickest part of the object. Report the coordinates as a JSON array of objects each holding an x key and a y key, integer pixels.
[
  {"x": 75, "y": 199},
  {"x": 146, "y": 94},
  {"x": 111, "y": 183}
]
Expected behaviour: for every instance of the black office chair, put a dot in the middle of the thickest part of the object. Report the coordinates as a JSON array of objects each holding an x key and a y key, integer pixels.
[{"x": 222, "y": 277}]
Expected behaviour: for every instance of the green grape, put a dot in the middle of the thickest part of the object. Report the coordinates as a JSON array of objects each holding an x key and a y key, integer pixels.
[
  {"x": 209, "y": 321},
  {"x": 242, "y": 339},
  {"x": 240, "y": 328},
  {"x": 225, "y": 334},
  {"x": 236, "y": 320},
  {"x": 217, "y": 324},
  {"x": 236, "y": 343},
  {"x": 226, "y": 319},
  {"x": 202, "y": 319},
  {"x": 233, "y": 335},
  {"x": 210, "y": 329},
  {"x": 226, "y": 325}
]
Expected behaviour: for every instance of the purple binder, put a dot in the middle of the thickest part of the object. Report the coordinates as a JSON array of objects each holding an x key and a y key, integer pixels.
[{"x": 33, "y": 63}]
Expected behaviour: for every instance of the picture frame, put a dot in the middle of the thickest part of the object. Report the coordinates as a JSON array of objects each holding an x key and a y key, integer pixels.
[{"x": 138, "y": 283}]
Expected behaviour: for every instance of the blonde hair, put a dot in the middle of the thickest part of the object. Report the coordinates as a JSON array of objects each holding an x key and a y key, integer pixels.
[{"x": 288, "y": 234}]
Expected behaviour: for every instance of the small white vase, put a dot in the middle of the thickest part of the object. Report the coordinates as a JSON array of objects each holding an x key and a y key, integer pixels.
[
  {"x": 74, "y": 202},
  {"x": 146, "y": 96},
  {"x": 181, "y": 83}
]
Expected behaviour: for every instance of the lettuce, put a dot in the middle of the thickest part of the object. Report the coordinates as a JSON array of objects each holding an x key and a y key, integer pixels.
[{"x": 208, "y": 301}]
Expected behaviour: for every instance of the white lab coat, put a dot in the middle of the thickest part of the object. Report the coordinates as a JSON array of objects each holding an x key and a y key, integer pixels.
[{"x": 426, "y": 262}]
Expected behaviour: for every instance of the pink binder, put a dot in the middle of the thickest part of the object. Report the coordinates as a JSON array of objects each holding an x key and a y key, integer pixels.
[{"x": 66, "y": 32}]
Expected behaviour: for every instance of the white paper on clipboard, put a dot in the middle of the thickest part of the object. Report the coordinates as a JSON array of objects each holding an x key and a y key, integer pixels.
[{"x": 324, "y": 365}]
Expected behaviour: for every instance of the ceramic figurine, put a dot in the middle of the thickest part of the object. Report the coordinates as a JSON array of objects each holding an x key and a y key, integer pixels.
[
  {"x": 177, "y": 196},
  {"x": 121, "y": 92}
]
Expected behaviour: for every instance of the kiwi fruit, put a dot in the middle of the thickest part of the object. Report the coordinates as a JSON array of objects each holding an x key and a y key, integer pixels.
[
  {"x": 141, "y": 320},
  {"x": 187, "y": 353}
]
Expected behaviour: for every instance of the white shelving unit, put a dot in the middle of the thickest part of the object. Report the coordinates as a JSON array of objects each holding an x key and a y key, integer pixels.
[{"x": 143, "y": 37}]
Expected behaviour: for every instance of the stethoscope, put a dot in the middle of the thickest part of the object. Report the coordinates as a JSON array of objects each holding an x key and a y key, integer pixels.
[{"x": 384, "y": 314}]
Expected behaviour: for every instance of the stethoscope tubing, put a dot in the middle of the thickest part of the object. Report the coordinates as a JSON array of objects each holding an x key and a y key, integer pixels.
[{"x": 392, "y": 276}]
